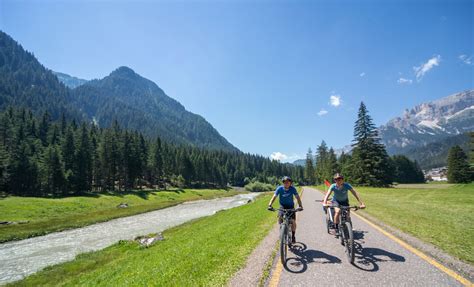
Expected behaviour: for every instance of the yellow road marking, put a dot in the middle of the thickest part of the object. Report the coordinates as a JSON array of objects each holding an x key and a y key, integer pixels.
[
  {"x": 279, "y": 267},
  {"x": 276, "y": 275},
  {"x": 420, "y": 254}
]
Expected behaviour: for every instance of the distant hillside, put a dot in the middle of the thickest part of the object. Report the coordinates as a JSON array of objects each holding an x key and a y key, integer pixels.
[
  {"x": 135, "y": 102},
  {"x": 300, "y": 162},
  {"x": 69, "y": 81},
  {"x": 435, "y": 154},
  {"x": 24, "y": 82},
  {"x": 138, "y": 103},
  {"x": 429, "y": 122}
]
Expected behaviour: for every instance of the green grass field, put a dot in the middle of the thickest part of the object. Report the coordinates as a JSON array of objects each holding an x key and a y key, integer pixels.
[
  {"x": 45, "y": 215},
  {"x": 204, "y": 252},
  {"x": 441, "y": 214}
]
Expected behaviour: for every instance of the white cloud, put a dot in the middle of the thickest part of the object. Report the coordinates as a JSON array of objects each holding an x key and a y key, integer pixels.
[
  {"x": 335, "y": 100},
  {"x": 322, "y": 112},
  {"x": 278, "y": 156},
  {"x": 424, "y": 68},
  {"x": 465, "y": 59},
  {"x": 362, "y": 74},
  {"x": 402, "y": 81},
  {"x": 283, "y": 157}
]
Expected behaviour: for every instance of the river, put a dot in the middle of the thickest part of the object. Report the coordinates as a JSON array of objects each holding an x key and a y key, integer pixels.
[{"x": 19, "y": 259}]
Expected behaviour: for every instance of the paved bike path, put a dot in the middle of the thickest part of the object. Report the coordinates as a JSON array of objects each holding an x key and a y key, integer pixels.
[{"x": 319, "y": 258}]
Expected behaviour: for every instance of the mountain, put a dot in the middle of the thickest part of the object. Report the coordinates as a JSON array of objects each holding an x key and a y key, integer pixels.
[
  {"x": 135, "y": 102},
  {"x": 300, "y": 162},
  {"x": 139, "y": 104},
  {"x": 69, "y": 81},
  {"x": 24, "y": 82},
  {"x": 429, "y": 122},
  {"x": 435, "y": 154}
]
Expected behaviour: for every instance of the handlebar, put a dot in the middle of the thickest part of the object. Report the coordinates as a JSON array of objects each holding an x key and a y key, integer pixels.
[
  {"x": 286, "y": 210},
  {"x": 355, "y": 207},
  {"x": 350, "y": 207}
]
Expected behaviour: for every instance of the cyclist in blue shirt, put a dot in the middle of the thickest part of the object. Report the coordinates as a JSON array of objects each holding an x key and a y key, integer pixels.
[
  {"x": 286, "y": 193},
  {"x": 341, "y": 196}
]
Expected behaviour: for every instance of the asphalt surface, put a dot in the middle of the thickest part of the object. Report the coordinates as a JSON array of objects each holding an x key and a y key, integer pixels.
[{"x": 318, "y": 259}]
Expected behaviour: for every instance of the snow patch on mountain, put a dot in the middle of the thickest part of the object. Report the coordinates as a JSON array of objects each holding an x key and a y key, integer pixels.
[{"x": 430, "y": 122}]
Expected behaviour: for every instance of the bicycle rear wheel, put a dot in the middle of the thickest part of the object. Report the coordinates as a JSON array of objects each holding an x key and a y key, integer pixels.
[
  {"x": 349, "y": 241},
  {"x": 283, "y": 245}
]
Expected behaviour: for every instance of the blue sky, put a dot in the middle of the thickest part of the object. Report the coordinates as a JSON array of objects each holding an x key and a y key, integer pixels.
[{"x": 270, "y": 76}]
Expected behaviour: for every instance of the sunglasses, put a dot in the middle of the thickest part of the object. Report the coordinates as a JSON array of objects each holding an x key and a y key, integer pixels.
[{"x": 339, "y": 178}]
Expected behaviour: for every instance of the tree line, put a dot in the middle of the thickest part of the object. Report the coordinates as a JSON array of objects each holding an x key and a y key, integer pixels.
[
  {"x": 460, "y": 167},
  {"x": 42, "y": 157},
  {"x": 368, "y": 164}
]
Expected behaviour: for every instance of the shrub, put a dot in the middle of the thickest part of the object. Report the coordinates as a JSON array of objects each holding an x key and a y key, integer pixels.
[{"x": 258, "y": 186}]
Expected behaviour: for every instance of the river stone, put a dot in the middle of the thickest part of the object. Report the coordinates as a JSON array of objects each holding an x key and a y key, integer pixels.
[{"x": 147, "y": 241}]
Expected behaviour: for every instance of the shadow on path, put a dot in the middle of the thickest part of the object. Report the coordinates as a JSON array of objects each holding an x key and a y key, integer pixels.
[
  {"x": 303, "y": 257},
  {"x": 366, "y": 258}
]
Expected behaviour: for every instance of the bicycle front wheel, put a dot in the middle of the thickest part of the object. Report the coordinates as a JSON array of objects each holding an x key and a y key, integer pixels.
[
  {"x": 283, "y": 245},
  {"x": 349, "y": 241}
]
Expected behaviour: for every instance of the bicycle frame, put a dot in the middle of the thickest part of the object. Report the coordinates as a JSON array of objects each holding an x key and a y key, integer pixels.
[
  {"x": 343, "y": 215},
  {"x": 285, "y": 235}
]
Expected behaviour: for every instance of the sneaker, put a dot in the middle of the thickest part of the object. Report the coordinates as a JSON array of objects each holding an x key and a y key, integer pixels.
[{"x": 293, "y": 239}]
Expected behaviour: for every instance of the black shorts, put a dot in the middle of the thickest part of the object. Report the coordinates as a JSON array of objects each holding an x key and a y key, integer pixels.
[
  {"x": 337, "y": 203},
  {"x": 292, "y": 216}
]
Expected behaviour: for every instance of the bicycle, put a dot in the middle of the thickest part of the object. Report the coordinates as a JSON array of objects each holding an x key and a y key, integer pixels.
[
  {"x": 285, "y": 235},
  {"x": 346, "y": 234}
]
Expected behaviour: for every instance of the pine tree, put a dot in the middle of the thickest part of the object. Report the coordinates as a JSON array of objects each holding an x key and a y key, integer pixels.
[
  {"x": 23, "y": 172},
  {"x": 83, "y": 162},
  {"x": 186, "y": 168},
  {"x": 4, "y": 166},
  {"x": 332, "y": 164},
  {"x": 44, "y": 128},
  {"x": 370, "y": 162},
  {"x": 322, "y": 163},
  {"x": 406, "y": 171},
  {"x": 97, "y": 176},
  {"x": 68, "y": 150},
  {"x": 345, "y": 166},
  {"x": 53, "y": 180},
  {"x": 309, "y": 174},
  {"x": 458, "y": 166}
]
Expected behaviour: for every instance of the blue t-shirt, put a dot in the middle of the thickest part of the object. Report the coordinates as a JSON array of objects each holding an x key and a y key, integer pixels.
[
  {"x": 286, "y": 196},
  {"x": 342, "y": 193}
]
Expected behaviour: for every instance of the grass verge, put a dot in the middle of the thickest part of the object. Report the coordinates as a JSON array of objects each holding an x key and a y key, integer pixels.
[
  {"x": 268, "y": 267},
  {"x": 442, "y": 215},
  {"x": 204, "y": 252},
  {"x": 46, "y": 215}
]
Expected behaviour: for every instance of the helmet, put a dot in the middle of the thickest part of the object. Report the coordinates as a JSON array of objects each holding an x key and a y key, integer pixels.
[
  {"x": 337, "y": 176},
  {"x": 285, "y": 178}
]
